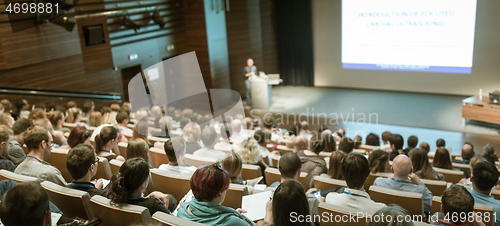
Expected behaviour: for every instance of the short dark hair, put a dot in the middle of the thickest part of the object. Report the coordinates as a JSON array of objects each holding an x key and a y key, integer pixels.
[
  {"x": 397, "y": 140},
  {"x": 174, "y": 147},
  {"x": 346, "y": 145},
  {"x": 87, "y": 106},
  {"x": 412, "y": 141},
  {"x": 457, "y": 200},
  {"x": 355, "y": 170},
  {"x": 386, "y": 136},
  {"x": 24, "y": 204},
  {"x": 289, "y": 198},
  {"x": 485, "y": 175},
  {"x": 261, "y": 136},
  {"x": 21, "y": 125},
  {"x": 289, "y": 164},
  {"x": 20, "y": 103},
  {"x": 372, "y": 139},
  {"x": 208, "y": 135},
  {"x": 317, "y": 143},
  {"x": 122, "y": 115},
  {"x": 490, "y": 158},
  {"x": 440, "y": 143},
  {"x": 268, "y": 121},
  {"x": 34, "y": 137},
  {"x": 79, "y": 159},
  {"x": 208, "y": 182}
]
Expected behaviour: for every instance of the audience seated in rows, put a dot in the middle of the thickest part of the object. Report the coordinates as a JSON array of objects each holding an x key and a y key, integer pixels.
[
  {"x": 312, "y": 163},
  {"x": 56, "y": 135},
  {"x": 456, "y": 201},
  {"x": 175, "y": 149},
  {"x": 442, "y": 159},
  {"x": 355, "y": 170},
  {"x": 209, "y": 138},
  {"x": 378, "y": 160},
  {"x": 191, "y": 133},
  {"x": 209, "y": 185},
  {"x": 38, "y": 140},
  {"x": 484, "y": 178},
  {"x": 5, "y": 139},
  {"x": 335, "y": 165},
  {"x": 105, "y": 141},
  {"x": 81, "y": 163},
  {"x": 16, "y": 153},
  {"x": 404, "y": 179},
  {"x": 422, "y": 167},
  {"x": 127, "y": 186},
  {"x": 397, "y": 143}
]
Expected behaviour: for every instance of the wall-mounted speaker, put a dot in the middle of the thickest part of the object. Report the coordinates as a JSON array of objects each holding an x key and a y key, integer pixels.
[{"x": 94, "y": 35}]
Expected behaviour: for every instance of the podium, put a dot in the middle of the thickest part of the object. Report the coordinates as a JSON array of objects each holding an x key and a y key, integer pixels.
[{"x": 262, "y": 90}]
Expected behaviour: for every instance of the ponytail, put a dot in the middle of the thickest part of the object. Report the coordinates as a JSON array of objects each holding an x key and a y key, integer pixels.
[
  {"x": 117, "y": 192},
  {"x": 107, "y": 133},
  {"x": 132, "y": 175},
  {"x": 98, "y": 143}
]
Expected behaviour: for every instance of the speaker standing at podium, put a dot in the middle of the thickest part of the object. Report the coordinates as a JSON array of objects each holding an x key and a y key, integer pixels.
[{"x": 249, "y": 70}]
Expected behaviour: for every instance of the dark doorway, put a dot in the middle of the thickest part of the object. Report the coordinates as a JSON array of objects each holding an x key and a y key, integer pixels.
[{"x": 127, "y": 74}]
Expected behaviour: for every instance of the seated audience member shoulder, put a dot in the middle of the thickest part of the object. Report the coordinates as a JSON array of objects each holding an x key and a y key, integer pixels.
[
  {"x": 312, "y": 163},
  {"x": 378, "y": 160},
  {"x": 397, "y": 143},
  {"x": 484, "y": 178},
  {"x": 16, "y": 153},
  {"x": 5, "y": 139},
  {"x": 422, "y": 167},
  {"x": 81, "y": 163},
  {"x": 456, "y": 201},
  {"x": 209, "y": 138},
  {"x": 346, "y": 145},
  {"x": 175, "y": 149},
  {"x": 105, "y": 141},
  {"x": 25, "y": 204}
]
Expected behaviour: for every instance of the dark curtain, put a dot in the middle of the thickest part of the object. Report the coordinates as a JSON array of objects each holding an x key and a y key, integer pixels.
[{"x": 295, "y": 45}]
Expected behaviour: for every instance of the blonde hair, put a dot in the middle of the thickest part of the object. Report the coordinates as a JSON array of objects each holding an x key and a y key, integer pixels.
[
  {"x": 291, "y": 142},
  {"x": 232, "y": 163},
  {"x": 192, "y": 132},
  {"x": 141, "y": 131},
  {"x": 248, "y": 151},
  {"x": 95, "y": 119},
  {"x": 115, "y": 107},
  {"x": 138, "y": 148},
  {"x": 73, "y": 114},
  {"x": 109, "y": 117}
]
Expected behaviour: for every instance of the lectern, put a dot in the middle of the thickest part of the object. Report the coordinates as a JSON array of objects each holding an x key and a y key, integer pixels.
[{"x": 262, "y": 90}]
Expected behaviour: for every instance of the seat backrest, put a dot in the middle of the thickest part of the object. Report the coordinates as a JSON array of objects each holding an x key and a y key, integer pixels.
[
  {"x": 103, "y": 169},
  {"x": 325, "y": 183},
  {"x": 463, "y": 166},
  {"x": 435, "y": 186},
  {"x": 7, "y": 175},
  {"x": 325, "y": 154},
  {"x": 175, "y": 184},
  {"x": 283, "y": 149},
  {"x": 334, "y": 212},
  {"x": 453, "y": 176},
  {"x": 114, "y": 166},
  {"x": 196, "y": 161},
  {"x": 58, "y": 160},
  {"x": 368, "y": 148},
  {"x": 164, "y": 219},
  {"x": 274, "y": 175},
  {"x": 125, "y": 214},
  {"x": 275, "y": 160},
  {"x": 70, "y": 126},
  {"x": 410, "y": 201},
  {"x": 158, "y": 157},
  {"x": 234, "y": 195},
  {"x": 122, "y": 147},
  {"x": 484, "y": 210},
  {"x": 250, "y": 171},
  {"x": 371, "y": 178},
  {"x": 72, "y": 202},
  {"x": 92, "y": 142}
]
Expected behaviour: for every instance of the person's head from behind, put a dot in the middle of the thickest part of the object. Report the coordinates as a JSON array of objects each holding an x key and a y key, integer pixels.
[
  {"x": 300, "y": 143},
  {"x": 484, "y": 177},
  {"x": 5, "y": 139},
  {"x": 334, "y": 170},
  {"x": 81, "y": 161},
  {"x": 71, "y": 104},
  {"x": 6, "y": 119},
  {"x": 268, "y": 121},
  {"x": 357, "y": 140},
  {"x": 141, "y": 130},
  {"x": 209, "y": 183},
  {"x": 289, "y": 198},
  {"x": 236, "y": 124},
  {"x": 56, "y": 118},
  {"x": 355, "y": 170},
  {"x": 249, "y": 123},
  {"x": 304, "y": 125},
  {"x": 262, "y": 137},
  {"x": 175, "y": 148},
  {"x": 209, "y": 136},
  {"x": 467, "y": 151},
  {"x": 22, "y": 104},
  {"x": 78, "y": 135},
  {"x": 25, "y": 204},
  {"x": 425, "y": 146},
  {"x": 396, "y": 141},
  {"x": 106, "y": 139},
  {"x": 490, "y": 158},
  {"x": 37, "y": 113},
  {"x": 386, "y": 137},
  {"x": 88, "y": 107},
  {"x": 232, "y": 163},
  {"x": 122, "y": 118},
  {"x": 346, "y": 145},
  {"x": 191, "y": 132},
  {"x": 166, "y": 123},
  {"x": 378, "y": 160},
  {"x": 372, "y": 139},
  {"x": 289, "y": 166},
  {"x": 132, "y": 178},
  {"x": 6, "y": 104},
  {"x": 401, "y": 166},
  {"x": 19, "y": 128},
  {"x": 391, "y": 215},
  {"x": 412, "y": 142},
  {"x": 329, "y": 140},
  {"x": 38, "y": 140},
  {"x": 442, "y": 159},
  {"x": 440, "y": 143},
  {"x": 457, "y": 201},
  {"x": 488, "y": 149},
  {"x": 74, "y": 115},
  {"x": 317, "y": 143},
  {"x": 138, "y": 148},
  {"x": 105, "y": 110},
  {"x": 419, "y": 159},
  {"x": 95, "y": 119}
]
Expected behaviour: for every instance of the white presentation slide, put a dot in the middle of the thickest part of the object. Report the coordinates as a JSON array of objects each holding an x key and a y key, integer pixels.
[{"x": 408, "y": 35}]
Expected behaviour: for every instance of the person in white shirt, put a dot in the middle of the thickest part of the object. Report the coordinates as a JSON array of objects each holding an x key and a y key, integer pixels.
[
  {"x": 122, "y": 119},
  {"x": 175, "y": 148},
  {"x": 355, "y": 170},
  {"x": 236, "y": 137},
  {"x": 209, "y": 138}
]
